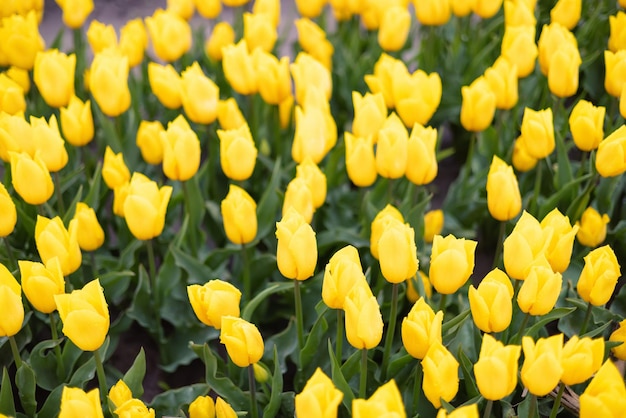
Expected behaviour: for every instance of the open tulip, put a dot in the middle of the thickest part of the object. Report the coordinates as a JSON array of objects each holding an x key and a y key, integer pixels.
[
  {"x": 341, "y": 274},
  {"x": 416, "y": 96},
  {"x": 145, "y": 207},
  {"x": 319, "y": 397},
  {"x": 542, "y": 370},
  {"x": 238, "y": 152},
  {"x": 199, "y": 95},
  {"x": 540, "y": 290},
  {"x": 384, "y": 72},
  {"x": 451, "y": 263},
  {"x": 606, "y": 394},
  {"x": 490, "y": 303},
  {"x": 306, "y": 72},
  {"x": 611, "y": 155},
  {"x": 54, "y": 240},
  {"x": 259, "y": 31},
  {"x": 75, "y": 402},
  {"x": 133, "y": 41},
  {"x": 561, "y": 241},
  {"x": 478, "y": 106},
  {"x": 101, "y": 36},
  {"x": 149, "y": 141},
  {"x": 586, "y": 122},
  {"x": 386, "y": 401},
  {"x": 239, "y": 214},
  {"x": 519, "y": 47},
  {"x": 619, "y": 335},
  {"x": 242, "y": 339},
  {"x": 90, "y": 233},
  {"x": 8, "y": 211},
  {"x": 503, "y": 196},
  {"x": 397, "y": 252},
  {"x": 441, "y": 375},
  {"x": 364, "y": 322},
  {"x": 11, "y": 301},
  {"x": 213, "y": 300},
  {"x": 581, "y": 358},
  {"x": 85, "y": 316},
  {"x": 567, "y": 12},
  {"x": 77, "y": 122},
  {"x": 392, "y": 148},
  {"x": 496, "y": 368},
  {"x": 30, "y": 178},
  {"x": 502, "y": 79},
  {"x": 296, "y": 254},
  {"x": 54, "y": 76},
  {"x": 181, "y": 150},
  {"x": 114, "y": 170},
  {"x": 170, "y": 34},
  {"x": 599, "y": 276},
  {"x": 360, "y": 160},
  {"x": 75, "y": 12},
  {"x": 273, "y": 77},
  {"x": 166, "y": 84},
  {"x": 108, "y": 82},
  {"x": 120, "y": 393},
  {"x": 421, "y": 328}
]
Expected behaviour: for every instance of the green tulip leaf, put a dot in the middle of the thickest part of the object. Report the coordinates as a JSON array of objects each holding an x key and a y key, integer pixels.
[
  {"x": 271, "y": 409},
  {"x": 93, "y": 196},
  {"x": 115, "y": 284},
  {"x": 7, "y": 403},
  {"x": 135, "y": 374},
  {"x": 272, "y": 288},
  {"x": 51, "y": 406},
  {"x": 141, "y": 308},
  {"x": 44, "y": 363},
  {"x": 269, "y": 203},
  {"x": 553, "y": 315},
  {"x": 70, "y": 355},
  {"x": 313, "y": 341},
  {"x": 351, "y": 366},
  {"x": 287, "y": 343},
  {"x": 399, "y": 363},
  {"x": 221, "y": 384},
  {"x": 466, "y": 367},
  {"x": 338, "y": 378},
  {"x": 452, "y": 325},
  {"x": 25, "y": 382}
]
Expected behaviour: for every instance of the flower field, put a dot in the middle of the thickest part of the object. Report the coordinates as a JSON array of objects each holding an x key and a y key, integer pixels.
[{"x": 377, "y": 209}]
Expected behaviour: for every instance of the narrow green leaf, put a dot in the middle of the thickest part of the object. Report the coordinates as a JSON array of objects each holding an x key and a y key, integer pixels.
[
  {"x": 455, "y": 322},
  {"x": 197, "y": 271},
  {"x": 51, "y": 406},
  {"x": 222, "y": 385},
  {"x": 135, "y": 375},
  {"x": 141, "y": 308},
  {"x": 339, "y": 380},
  {"x": 7, "y": 403},
  {"x": 271, "y": 409},
  {"x": 352, "y": 365},
  {"x": 167, "y": 403},
  {"x": 93, "y": 196},
  {"x": 269, "y": 203},
  {"x": 262, "y": 295},
  {"x": 466, "y": 368},
  {"x": 44, "y": 363},
  {"x": 555, "y": 314},
  {"x": 313, "y": 341},
  {"x": 25, "y": 382}
]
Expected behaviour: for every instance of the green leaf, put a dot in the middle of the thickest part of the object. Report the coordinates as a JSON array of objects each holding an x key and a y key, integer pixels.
[
  {"x": 313, "y": 341},
  {"x": 93, "y": 196},
  {"x": 451, "y": 325},
  {"x": 51, "y": 406},
  {"x": 286, "y": 341},
  {"x": 197, "y": 271},
  {"x": 466, "y": 368},
  {"x": 44, "y": 363},
  {"x": 272, "y": 288},
  {"x": 7, "y": 403},
  {"x": 116, "y": 283},
  {"x": 135, "y": 375},
  {"x": 561, "y": 195},
  {"x": 597, "y": 330},
  {"x": 553, "y": 315},
  {"x": 25, "y": 382},
  {"x": 84, "y": 373},
  {"x": 141, "y": 307},
  {"x": 169, "y": 402},
  {"x": 269, "y": 203},
  {"x": 271, "y": 409},
  {"x": 400, "y": 363},
  {"x": 352, "y": 365},
  {"x": 70, "y": 356},
  {"x": 339, "y": 380}
]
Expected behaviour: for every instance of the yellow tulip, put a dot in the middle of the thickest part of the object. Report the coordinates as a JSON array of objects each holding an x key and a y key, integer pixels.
[
  {"x": 503, "y": 196},
  {"x": 441, "y": 375},
  {"x": 540, "y": 290},
  {"x": 581, "y": 358},
  {"x": 526, "y": 244},
  {"x": 538, "y": 132},
  {"x": 48, "y": 142},
  {"x": 270, "y": 8},
  {"x": 114, "y": 170},
  {"x": 223, "y": 408},
  {"x": 229, "y": 115},
  {"x": 21, "y": 40},
  {"x": 313, "y": 41},
  {"x": 77, "y": 403},
  {"x": 310, "y": 8},
  {"x": 478, "y": 106},
  {"x": 242, "y": 339},
  {"x": 394, "y": 28},
  {"x": 468, "y": 411},
  {"x": 296, "y": 253},
  {"x": 315, "y": 179},
  {"x": 273, "y": 77},
  {"x": 522, "y": 160},
  {"x": 342, "y": 272},
  {"x": 306, "y": 72},
  {"x": 421, "y": 329},
  {"x": 553, "y": 37},
  {"x": 209, "y": 9},
  {"x": 592, "y": 228},
  {"x": 611, "y": 155},
  {"x": 491, "y": 304},
  {"x": 422, "y": 165},
  {"x": 502, "y": 79},
  {"x": 370, "y": 114},
  {"x": 30, "y": 178},
  {"x": 619, "y": 335},
  {"x": 181, "y": 150},
  {"x": 202, "y": 407},
  {"x": 199, "y": 95},
  {"x": 85, "y": 316},
  {"x": 133, "y": 41},
  {"x": 149, "y": 141},
  {"x": 517, "y": 13},
  {"x": 433, "y": 224},
  {"x": 617, "y": 35},
  {"x": 519, "y": 47},
  {"x": 120, "y": 393},
  {"x": 299, "y": 196},
  {"x": 11, "y": 300},
  {"x": 75, "y": 12},
  {"x": 451, "y": 263},
  {"x": 563, "y": 71},
  {"x": 416, "y": 96},
  {"x": 108, "y": 82},
  {"x": 363, "y": 320},
  {"x": 567, "y": 12},
  {"x": 183, "y": 8},
  {"x": 599, "y": 276},
  {"x": 542, "y": 370},
  {"x": 12, "y": 99},
  {"x": 433, "y": 12},
  {"x": 145, "y": 207},
  {"x": 134, "y": 408},
  {"x": 496, "y": 368},
  {"x": 486, "y": 8},
  {"x": 8, "y": 211},
  {"x": 90, "y": 233},
  {"x": 166, "y": 84},
  {"x": 310, "y": 137},
  {"x": 386, "y": 401},
  {"x": 54, "y": 76},
  {"x": 360, "y": 160},
  {"x": 239, "y": 215},
  {"x": 221, "y": 36},
  {"x": 54, "y": 240},
  {"x": 562, "y": 234},
  {"x": 397, "y": 252},
  {"x": 77, "y": 122},
  {"x": 101, "y": 36},
  {"x": 238, "y": 152},
  {"x": 461, "y": 8},
  {"x": 379, "y": 224},
  {"x": 586, "y": 122},
  {"x": 239, "y": 68},
  {"x": 615, "y": 76},
  {"x": 606, "y": 394},
  {"x": 319, "y": 397},
  {"x": 392, "y": 148},
  {"x": 259, "y": 31},
  {"x": 385, "y": 71},
  {"x": 214, "y": 300},
  {"x": 170, "y": 34}
]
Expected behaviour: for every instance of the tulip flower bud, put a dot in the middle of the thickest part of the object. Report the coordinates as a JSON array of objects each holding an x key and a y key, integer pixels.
[
  {"x": 77, "y": 122},
  {"x": 421, "y": 329},
  {"x": 20, "y": 76},
  {"x": 491, "y": 305},
  {"x": 522, "y": 160},
  {"x": 468, "y": 411},
  {"x": 170, "y": 35},
  {"x": 133, "y": 41},
  {"x": 239, "y": 68},
  {"x": 416, "y": 96},
  {"x": 609, "y": 158},
  {"x": 518, "y": 46},
  {"x": 433, "y": 224},
  {"x": 114, "y": 170},
  {"x": 259, "y": 31},
  {"x": 360, "y": 160},
  {"x": 183, "y": 8},
  {"x": 199, "y": 95},
  {"x": 562, "y": 234},
  {"x": 238, "y": 152},
  {"x": 486, "y": 8},
  {"x": 502, "y": 79},
  {"x": 525, "y": 245},
  {"x": 412, "y": 293},
  {"x": 397, "y": 252},
  {"x": 54, "y": 76},
  {"x": 11, "y": 301},
  {"x": 166, "y": 84},
  {"x": 222, "y": 36},
  {"x": 54, "y": 240},
  {"x": 364, "y": 322},
  {"x": 48, "y": 143},
  {"x": 606, "y": 394},
  {"x": 386, "y": 401},
  {"x": 15, "y": 135},
  {"x": 310, "y": 135},
  {"x": 538, "y": 132},
  {"x": 461, "y": 8},
  {"x": 271, "y": 9},
  {"x": 392, "y": 148},
  {"x": 385, "y": 70},
  {"x": 242, "y": 339},
  {"x": 149, "y": 141},
  {"x": 540, "y": 290},
  {"x": 370, "y": 113},
  {"x": 586, "y": 122},
  {"x": 273, "y": 77},
  {"x": 310, "y": 8},
  {"x": 433, "y": 12},
  {"x": 85, "y": 316},
  {"x": 108, "y": 82},
  {"x": 319, "y": 397},
  {"x": 341, "y": 274},
  {"x": 296, "y": 254},
  {"x": 581, "y": 358},
  {"x": 441, "y": 375},
  {"x": 21, "y": 40},
  {"x": 615, "y": 76},
  {"x": 101, "y": 36},
  {"x": 120, "y": 393},
  {"x": 209, "y": 9},
  {"x": 451, "y": 263},
  {"x": 599, "y": 276},
  {"x": 30, "y": 178},
  {"x": 394, "y": 28},
  {"x": 422, "y": 165},
  {"x": 315, "y": 180},
  {"x": 592, "y": 228},
  {"x": 617, "y": 33},
  {"x": 239, "y": 214},
  {"x": 229, "y": 115},
  {"x": 75, "y": 12},
  {"x": 518, "y": 13},
  {"x": 181, "y": 150},
  {"x": 619, "y": 335},
  {"x": 223, "y": 408},
  {"x": 306, "y": 72},
  {"x": 12, "y": 99},
  {"x": 567, "y": 12},
  {"x": 542, "y": 370},
  {"x": 75, "y": 401},
  {"x": 8, "y": 211},
  {"x": 503, "y": 196},
  {"x": 214, "y": 300},
  {"x": 145, "y": 207},
  {"x": 379, "y": 224},
  {"x": 553, "y": 37},
  {"x": 134, "y": 408},
  {"x": 313, "y": 41},
  {"x": 563, "y": 71},
  {"x": 202, "y": 407},
  {"x": 496, "y": 368},
  {"x": 90, "y": 233},
  {"x": 478, "y": 106},
  {"x": 119, "y": 197}
]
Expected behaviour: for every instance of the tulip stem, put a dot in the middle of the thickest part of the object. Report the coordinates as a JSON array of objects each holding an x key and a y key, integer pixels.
[
  {"x": 583, "y": 328},
  {"x": 534, "y": 408},
  {"x": 57, "y": 348},
  {"x": 299, "y": 319},
  {"x": 253, "y": 405},
  {"x": 94, "y": 265},
  {"x": 417, "y": 388},
  {"x": 247, "y": 286},
  {"x": 101, "y": 379},
  {"x": 151, "y": 266},
  {"x": 390, "y": 331},
  {"x": 488, "y": 408},
  {"x": 557, "y": 401},
  {"x": 498, "y": 254},
  {"x": 57, "y": 186},
  {"x": 191, "y": 231},
  {"x": 533, "y": 203},
  {"x": 442, "y": 303},
  {"x": 522, "y": 328},
  {"x": 16, "y": 352},
  {"x": 363, "y": 382},
  {"x": 10, "y": 255},
  {"x": 339, "y": 341}
]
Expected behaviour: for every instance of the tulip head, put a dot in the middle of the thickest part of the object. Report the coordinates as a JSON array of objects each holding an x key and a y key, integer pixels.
[
  {"x": 239, "y": 215},
  {"x": 170, "y": 34},
  {"x": 422, "y": 165},
  {"x": 441, "y": 375},
  {"x": 145, "y": 206},
  {"x": 619, "y": 335},
  {"x": 296, "y": 253},
  {"x": 8, "y": 211},
  {"x": 496, "y": 368},
  {"x": 114, "y": 170},
  {"x": 54, "y": 76},
  {"x": 242, "y": 339},
  {"x": 342, "y": 272},
  {"x": 599, "y": 276},
  {"x": 238, "y": 152},
  {"x": 181, "y": 150},
  {"x": 199, "y": 95},
  {"x": 90, "y": 233},
  {"x": 421, "y": 328},
  {"x": 586, "y": 122},
  {"x": 319, "y": 397},
  {"x": 77, "y": 403},
  {"x": 11, "y": 300},
  {"x": 214, "y": 300},
  {"x": 386, "y": 401},
  {"x": 166, "y": 84},
  {"x": 149, "y": 141},
  {"x": 360, "y": 160},
  {"x": 397, "y": 252},
  {"x": 451, "y": 263},
  {"x": 611, "y": 155},
  {"x": 75, "y": 12},
  {"x": 108, "y": 82},
  {"x": 606, "y": 394},
  {"x": 490, "y": 303},
  {"x": 54, "y": 240},
  {"x": 31, "y": 178},
  {"x": 379, "y": 224},
  {"x": 478, "y": 106},
  {"x": 503, "y": 196},
  {"x": 77, "y": 122},
  {"x": 581, "y": 358},
  {"x": 221, "y": 36},
  {"x": 542, "y": 370},
  {"x": 364, "y": 322},
  {"x": 592, "y": 228}
]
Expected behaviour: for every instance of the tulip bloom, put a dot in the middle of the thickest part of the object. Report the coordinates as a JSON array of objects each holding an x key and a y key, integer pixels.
[
  {"x": 502, "y": 79},
  {"x": 48, "y": 142},
  {"x": 108, "y": 82},
  {"x": 433, "y": 12},
  {"x": 518, "y": 13},
  {"x": 229, "y": 115},
  {"x": 199, "y": 95},
  {"x": 496, "y": 368},
  {"x": 310, "y": 138},
  {"x": 76, "y": 402},
  {"x": 385, "y": 70},
  {"x": 553, "y": 37},
  {"x": 101, "y": 36},
  {"x": 486, "y": 8},
  {"x": 11, "y": 301},
  {"x": 615, "y": 76},
  {"x": 563, "y": 71},
  {"x": 306, "y": 72},
  {"x": 433, "y": 224},
  {"x": 397, "y": 252},
  {"x": 538, "y": 132},
  {"x": 611, "y": 155},
  {"x": 363, "y": 320},
  {"x": 360, "y": 160},
  {"x": 392, "y": 148},
  {"x": 599, "y": 276},
  {"x": 85, "y": 316},
  {"x": 386, "y": 401},
  {"x": 273, "y": 77},
  {"x": 503, "y": 196},
  {"x": 619, "y": 335},
  {"x": 561, "y": 241},
  {"x": 221, "y": 36},
  {"x": 319, "y": 397},
  {"x": 259, "y": 32},
  {"x": 310, "y": 8},
  {"x": 370, "y": 113},
  {"x": 518, "y": 46},
  {"x": 296, "y": 253},
  {"x": 242, "y": 339},
  {"x": 145, "y": 207},
  {"x": 214, "y": 300},
  {"x": 181, "y": 150},
  {"x": 540, "y": 290},
  {"x": 313, "y": 41},
  {"x": 315, "y": 180},
  {"x": 166, "y": 84},
  {"x": 75, "y": 12},
  {"x": 491, "y": 305},
  {"x": 54, "y": 76},
  {"x": 77, "y": 122},
  {"x": 421, "y": 328},
  {"x": 525, "y": 245},
  {"x": 238, "y": 152},
  {"x": 522, "y": 160},
  {"x": 379, "y": 224},
  {"x": 394, "y": 28},
  {"x": 114, "y": 170},
  {"x": 566, "y": 12},
  {"x": 170, "y": 35},
  {"x": 451, "y": 263},
  {"x": 586, "y": 122},
  {"x": 412, "y": 293},
  {"x": 478, "y": 106},
  {"x": 134, "y": 408},
  {"x": 120, "y": 393},
  {"x": 461, "y": 8},
  {"x": 239, "y": 215},
  {"x": 592, "y": 228},
  {"x": 31, "y": 178},
  {"x": 542, "y": 370},
  {"x": 21, "y": 40},
  {"x": 90, "y": 233},
  {"x": 416, "y": 96},
  {"x": 422, "y": 165},
  {"x": 54, "y": 240},
  {"x": 341, "y": 274},
  {"x": 149, "y": 141},
  {"x": 12, "y": 99},
  {"x": 606, "y": 394},
  {"x": 239, "y": 68},
  {"x": 617, "y": 35},
  {"x": 468, "y": 411},
  {"x": 441, "y": 375},
  {"x": 8, "y": 211},
  {"x": 581, "y": 358},
  {"x": 133, "y": 41}
]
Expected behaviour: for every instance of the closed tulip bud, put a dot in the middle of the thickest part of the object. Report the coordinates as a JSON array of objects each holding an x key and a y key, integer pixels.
[
  {"x": 242, "y": 339},
  {"x": 77, "y": 403},
  {"x": 451, "y": 263},
  {"x": 85, "y": 316},
  {"x": 611, "y": 157},
  {"x": 586, "y": 122},
  {"x": 519, "y": 47},
  {"x": 149, "y": 141},
  {"x": 553, "y": 37},
  {"x": 416, "y": 96},
  {"x": 77, "y": 122},
  {"x": 469, "y": 411},
  {"x": 491, "y": 304},
  {"x": 599, "y": 276},
  {"x": 101, "y": 36},
  {"x": 617, "y": 36},
  {"x": 30, "y": 178},
  {"x": 562, "y": 234},
  {"x": 581, "y": 358},
  {"x": 518, "y": 13},
  {"x": 315, "y": 179},
  {"x": 15, "y": 135},
  {"x": 486, "y": 8},
  {"x": 526, "y": 244},
  {"x": 503, "y": 196},
  {"x": 360, "y": 160},
  {"x": 133, "y": 41},
  {"x": 615, "y": 77},
  {"x": 202, "y": 407},
  {"x": 542, "y": 370},
  {"x": 441, "y": 375},
  {"x": 239, "y": 214},
  {"x": 522, "y": 160},
  {"x": 223, "y": 408},
  {"x": 183, "y": 8},
  {"x": 563, "y": 72},
  {"x": 145, "y": 207},
  {"x": 397, "y": 252},
  {"x": 199, "y": 95},
  {"x": 181, "y": 150},
  {"x": 229, "y": 115},
  {"x": 412, "y": 292},
  {"x": 213, "y": 300},
  {"x": 394, "y": 28},
  {"x": 299, "y": 196},
  {"x": 273, "y": 77},
  {"x": 120, "y": 393},
  {"x": 381, "y": 81},
  {"x": 310, "y": 8},
  {"x": 54, "y": 76},
  {"x": 114, "y": 170},
  {"x": 75, "y": 12},
  {"x": 319, "y": 397},
  {"x": 502, "y": 79},
  {"x": 433, "y": 12},
  {"x": 592, "y": 228},
  {"x": 310, "y": 135},
  {"x": 49, "y": 143},
  {"x": 341, "y": 274},
  {"x": 222, "y": 35},
  {"x": 237, "y": 153},
  {"x": 496, "y": 368},
  {"x": 119, "y": 197},
  {"x": 108, "y": 81},
  {"x": 364, "y": 322},
  {"x": 90, "y": 233},
  {"x": 478, "y": 106},
  {"x": 370, "y": 114},
  {"x": 239, "y": 68},
  {"x": 313, "y": 41},
  {"x": 259, "y": 31},
  {"x": 606, "y": 394},
  {"x": 421, "y": 329},
  {"x": 619, "y": 335},
  {"x": 392, "y": 148},
  {"x": 379, "y": 224},
  {"x": 166, "y": 84},
  {"x": 567, "y": 12},
  {"x": 385, "y": 402},
  {"x": 209, "y": 9},
  {"x": 8, "y": 211},
  {"x": 433, "y": 224},
  {"x": 21, "y": 40},
  {"x": 306, "y": 72},
  {"x": 11, "y": 300},
  {"x": 54, "y": 240},
  {"x": 540, "y": 290},
  {"x": 461, "y": 8},
  {"x": 170, "y": 35},
  {"x": 134, "y": 408},
  {"x": 271, "y": 8},
  {"x": 422, "y": 165},
  {"x": 12, "y": 99},
  {"x": 538, "y": 132},
  {"x": 296, "y": 254}
]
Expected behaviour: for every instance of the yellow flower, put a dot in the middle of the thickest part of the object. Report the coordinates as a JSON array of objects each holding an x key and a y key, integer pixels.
[
  {"x": 313, "y": 41},
  {"x": 606, "y": 394},
  {"x": 433, "y": 224},
  {"x": 421, "y": 328},
  {"x": 170, "y": 34},
  {"x": 145, "y": 207},
  {"x": 101, "y": 36},
  {"x": 299, "y": 196},
  {"x": 563, "y": 71},
  {"x": 491, "y": 305},
  {"x": 394, "y": 28},
  {"x": 341, "y": 274},
  {"x": 114, "y": 170},
  {"x": 149, "y": 141},
  {"x": 310, "y": 8},
  {"x": 77, "y": 403},
  {"x": 538, "y": 132},
  {"x": 221, "y": 36},
  {"x": 433, "y": 12},
  {"x": 8, "y": 211},
  {"x": 77, "y": 122},
  {"x": 54, "y": 76},
  {"x": 468, "y": 411},
  {"x": 386, "y": 401},
  {"x": 370, "y": 114},
  {"x": 296, "y": 254},
  {"x": 360, "y": 160},
  {"x": 478, "y": 106},
  {"x": 502, "y": 79},
  {"x": 11, "y": 301},
  {"x": 108, "y": 82},
  {"x": 120, "y": 393},
  {"x": 312, "y": 137},
  {"x": 48, "y": 142},
  {"x": 306, "y": 72},
  {"x": 542, "y": 370},
  {"x": 496, "y": 368},
  {"x": 242, "y": 339},
  {"x": 619, "y": 335},
  {"x": 615, "y": 76},
  {"x": 422, "y": 165},
  {"x": 259, "y": 31},
  {"x": 199, "y": 95},
  {"x": 617, "y": 36},
  {"x": 385, "y": 70},
  {"x": 90, "y": 233},
  {"x": 581, "y": 358},
  {"x": 166, "y": 84},
  {"x": 315, "y": 180},
  {"x": 30, "y": 178},
  {"x": 54, "y": 240},
  {"x": 451, "y": 263},
  {"x": 238, "y": 152},
  {"x": 503, "y": 196},
  {"x": 567, "y": 12},
  {"x": 611, "y": 155},
  {"x": 392, "y": 148},
  {"x": 522, "y": 160},
  {"x": 379, "y": 224},
  {"x": 239, "y": 68},
  {"x": 273, "y": 77},
  {"x": 441, "y": 375},
  {"x": 12, "y": 99},
  {"x": 209, "y": 9},
  {"x": 271, "y": 9},
  {"x": 364, "y": 322},
  {"x": 134, "y": 408},
  {"x": 239, "y": 215},
  {"x": 15, "y": 135},
  {"x": 229, "y": 115},
  {"x": 540, "y": 290},
  {"x": 525, "y": 245},
  {"x": 518, "y": 13},
  {"x": 586, "y": 122},
  {"x": 519, "y": 47},
  {"x": 181, "y": 150},
  {"x": 319, "y": 397},
  {"x": 562, "y": 234},
  {"x": 21, "y": 40},
  {"x": 416, "y": 96},
  {"x": 133, "y": 41},
  {"x": 202, "y": 407},
  {"x": 397, "y": 252},
  {"x": 85, "y": 316},
  {"x": 486, "y": 8},
  {"x": 223, "y": 408},
  {"x": 183, "y": 8},
  {"x": 553, "y": 37},
  {"x": 214, "y": 300},
  {"x": 75, "y": 12},
  {"x": 599, "y": 276}
]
